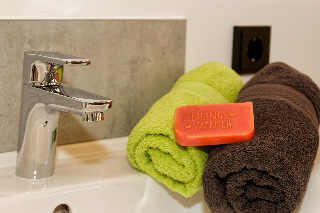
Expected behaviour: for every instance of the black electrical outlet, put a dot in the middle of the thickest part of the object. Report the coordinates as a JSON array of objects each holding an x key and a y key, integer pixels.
[{"x": 251, "y": 46}]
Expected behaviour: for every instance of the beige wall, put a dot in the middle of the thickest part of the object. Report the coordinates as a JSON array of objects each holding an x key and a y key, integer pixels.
[{"x": 295, "y": 23}]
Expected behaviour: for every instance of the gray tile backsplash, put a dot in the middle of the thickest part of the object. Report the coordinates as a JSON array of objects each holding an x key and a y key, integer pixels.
[{"x": 133, "y": 62}]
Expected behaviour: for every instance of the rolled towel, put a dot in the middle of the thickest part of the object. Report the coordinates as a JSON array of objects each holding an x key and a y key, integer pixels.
[
  {"x": 270, "y": 172},
  {"x": 152, "y": 147},
  {"x": 281, "y": 73},
  {"x": 218, "y": 76}
]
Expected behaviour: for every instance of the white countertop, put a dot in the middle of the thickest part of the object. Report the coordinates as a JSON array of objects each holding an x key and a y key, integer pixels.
[{"x": 96, "y": 169}]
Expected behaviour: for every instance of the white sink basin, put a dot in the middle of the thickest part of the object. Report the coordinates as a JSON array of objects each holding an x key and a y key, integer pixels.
[
  {"x": 93, "y": 177},
  {"x": 96, "y": 177}
]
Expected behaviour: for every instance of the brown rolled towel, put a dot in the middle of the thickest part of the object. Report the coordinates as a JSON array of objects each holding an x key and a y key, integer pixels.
[{"x": 270, "y": 172}]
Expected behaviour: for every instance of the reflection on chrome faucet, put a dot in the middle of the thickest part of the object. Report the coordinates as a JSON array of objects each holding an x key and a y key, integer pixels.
[
  {"x": 31, "y": 185},
  {"x": 44, "y": 97}
]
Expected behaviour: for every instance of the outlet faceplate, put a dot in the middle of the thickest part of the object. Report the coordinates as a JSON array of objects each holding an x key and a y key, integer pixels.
[{"x": 251, "y": 47}]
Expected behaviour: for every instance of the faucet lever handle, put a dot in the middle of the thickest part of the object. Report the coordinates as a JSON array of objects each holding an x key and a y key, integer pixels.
[{"x": 46, "y": 68}]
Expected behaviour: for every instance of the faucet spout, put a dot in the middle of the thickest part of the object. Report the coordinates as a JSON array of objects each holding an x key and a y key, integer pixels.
[
  {"x": 90, "y": 106},
  {"x": 42, "y": 103}
]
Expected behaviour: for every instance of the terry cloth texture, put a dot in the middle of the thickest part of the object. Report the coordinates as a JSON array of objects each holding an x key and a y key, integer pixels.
[
  {"x": 218, "y": 76},
  {"x": 270, "y": 172},
  {"x": 152, "y": 147}
]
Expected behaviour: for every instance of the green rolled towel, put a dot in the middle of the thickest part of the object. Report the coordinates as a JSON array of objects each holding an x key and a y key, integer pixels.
[
  {"x": 152, "y": 147},
  {"x": 218, "y": 76}
]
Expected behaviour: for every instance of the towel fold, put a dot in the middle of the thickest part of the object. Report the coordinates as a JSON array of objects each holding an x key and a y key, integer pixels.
[
  {"x": 218, "y": 76},
  {"x": 152, "y": 147},
  {"x": 281, "y": 73},
  {"x": 270, "y": 172}
]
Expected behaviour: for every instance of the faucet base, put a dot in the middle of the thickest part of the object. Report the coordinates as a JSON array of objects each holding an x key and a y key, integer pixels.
[{"x": 36, "y": 157}]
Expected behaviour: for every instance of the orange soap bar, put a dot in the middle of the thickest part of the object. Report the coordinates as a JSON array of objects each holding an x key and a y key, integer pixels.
[{"x": 214, "y": 124}]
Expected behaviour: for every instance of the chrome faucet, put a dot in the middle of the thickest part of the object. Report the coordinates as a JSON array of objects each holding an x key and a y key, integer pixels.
[{"x": 43, "y": 99}]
